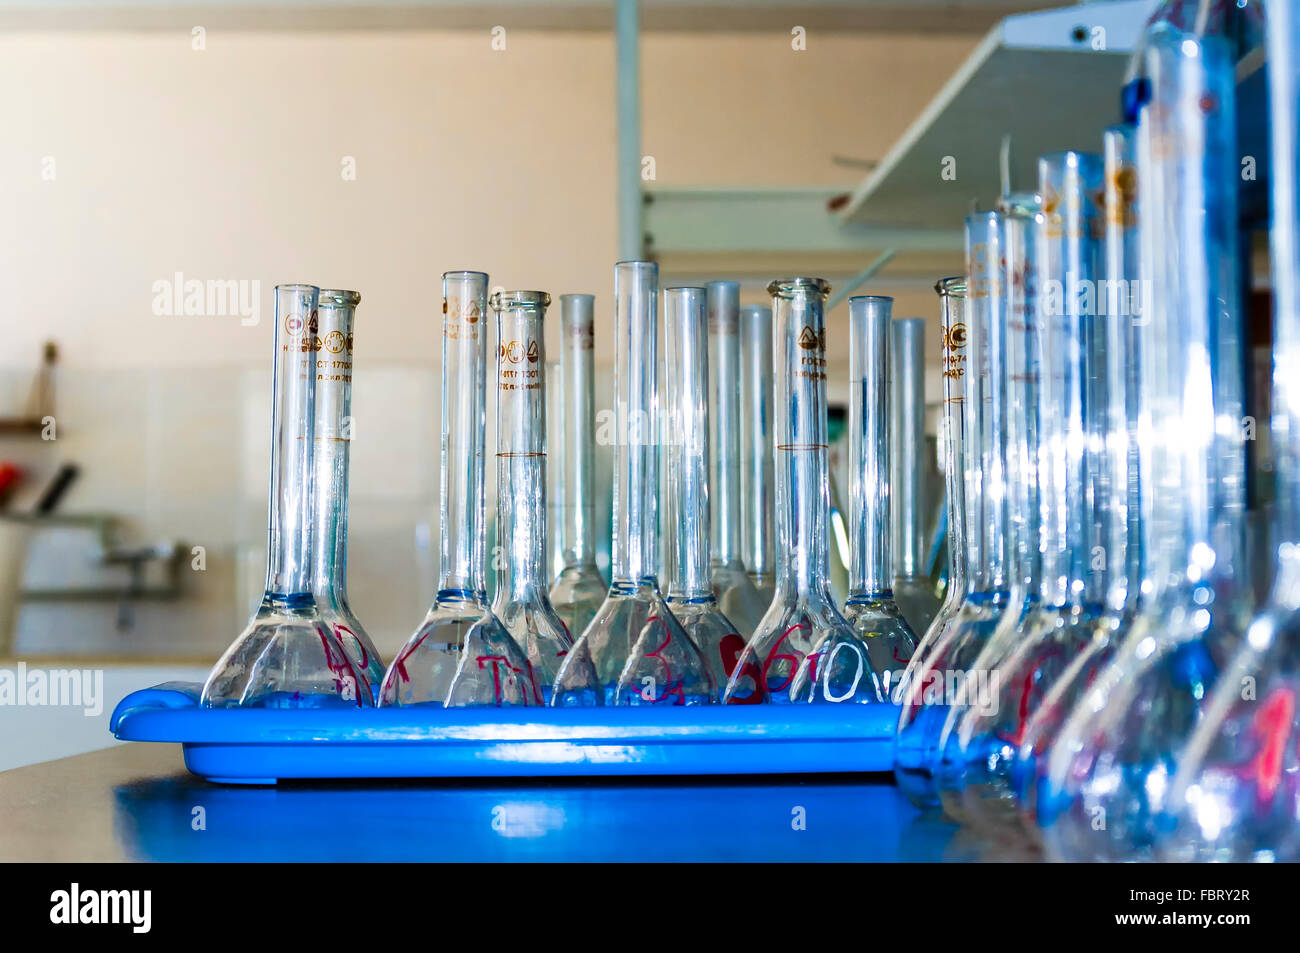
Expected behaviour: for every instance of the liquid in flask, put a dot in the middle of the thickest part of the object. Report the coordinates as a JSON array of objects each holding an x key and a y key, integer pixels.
[
  {"x": 461, "y": 654},
  {"x": 287, "y": 657},
  {"x": 337, "y": 311},
  {"x": 579, "y": 588},
  {"x": 870, "y": 607},
  {"x": 804, "y": 650},
  {"x": 522, "y": 603},
  {"x": 634, "y": 651}
]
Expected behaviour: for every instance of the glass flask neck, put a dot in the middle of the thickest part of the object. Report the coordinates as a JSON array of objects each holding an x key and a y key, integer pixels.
[
  {"x": 689, "y": 506},
  {"x": 636, "y": 450},
  {"x": 907, "y": 447},
  {"x": 756, "y": 477},
  {"x": 293, "y": 428},
  {"x": 953, "y": 342},
  {"x": 1070, "y": 266},
  {"x": 1192, "y": 361},
  {"x": 985, "y": 479},
  {"x": 521, "y": 443},
  {"x": 1283, "y": 42},
  {"x": 464, "y": 363},
  {"x": 1121, "y": 513},
  {"x": 870, "y": 570},
  {"x": 723, "y": 300},
  {"x": 802, "y": 482},
  {"x": 1022, "y": 221},
  {"x": 577, "y": 335},
  {"x": 333, "y": 439}
]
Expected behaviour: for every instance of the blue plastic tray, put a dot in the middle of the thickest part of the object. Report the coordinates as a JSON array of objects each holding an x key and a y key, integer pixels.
[{"x": 262, "y": 746}]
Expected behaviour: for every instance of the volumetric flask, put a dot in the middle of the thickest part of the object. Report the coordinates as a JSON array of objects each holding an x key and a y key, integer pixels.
[
  {"x": 287, "y": 657},
  {"x": 521, "y": 602},
  {"x": 461, "y": 654},
  {"x": 333, "y": 440},
  {"x": 756, "y": 478},
  {"x": 634, "y": 651},
  {"x": 803, "y": 650},
  {"x": 579, "y": 589},
  {"x": 870, "y": 606}
]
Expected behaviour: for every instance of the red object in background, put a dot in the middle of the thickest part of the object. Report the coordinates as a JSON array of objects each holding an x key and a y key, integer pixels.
[{"x": 10, "y": 476}]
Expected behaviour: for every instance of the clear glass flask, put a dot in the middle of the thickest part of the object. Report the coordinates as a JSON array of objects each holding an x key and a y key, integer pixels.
[
  {"x": 336, "y": 313},
  {"x": 870, "y": 607},
  {"x": 1076, "y": 436},
  {"x": 287, "y": 657},
  {"x": 756, "y": 477},
  {"x": 1121, "y": 469},
  {"x": 521, "y": 601},
  {"x": 803, "y": 650},
  {"x": 634, "y": 651},
  {"x": 735, "y": 592},
  {"x": 461, "y": 654},
  {"x": 690, "y": 591},
  {"x": 913, "y": 588},
  {"x": 938, "y": 681},
  {"x": 1236, "y": 794},
  {"x": 954, "y": 322},
  {"x": 579, "y": 589},
  {"x": 1118, "y": 751},
  {"x": 1022, "y": 221}
]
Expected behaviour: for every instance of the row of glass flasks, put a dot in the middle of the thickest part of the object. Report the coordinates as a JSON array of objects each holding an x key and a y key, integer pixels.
[
  {"x": 716, "y": 636},
  {"x": 1102, "y": 687}
]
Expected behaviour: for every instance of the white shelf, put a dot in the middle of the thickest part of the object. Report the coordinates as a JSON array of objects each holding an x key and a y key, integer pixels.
[{"x": 1036, "y": 77}]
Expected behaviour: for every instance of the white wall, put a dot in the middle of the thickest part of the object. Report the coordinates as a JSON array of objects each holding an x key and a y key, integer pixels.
[{"x": 225, "y": 164}]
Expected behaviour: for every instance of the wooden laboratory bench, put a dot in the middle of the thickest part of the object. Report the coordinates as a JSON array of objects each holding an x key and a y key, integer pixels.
[{"x": 137, "y": 802}]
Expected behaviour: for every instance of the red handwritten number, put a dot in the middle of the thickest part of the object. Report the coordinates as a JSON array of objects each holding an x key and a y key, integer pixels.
[
  {"x": 671, "y": 687},
  {"x": 794, "y": 659},
  {"x": 365, "y": 656},
  {"x": 1273, "y": 722}
]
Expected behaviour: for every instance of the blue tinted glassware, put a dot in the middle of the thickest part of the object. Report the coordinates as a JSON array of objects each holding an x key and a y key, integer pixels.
[{"x": 1117, "y": 753}]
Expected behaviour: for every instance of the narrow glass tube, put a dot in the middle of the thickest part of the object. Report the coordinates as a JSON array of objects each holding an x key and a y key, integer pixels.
[
  {"x": 953, "y": 338},
  {"x": 1119, "y": 749},
  {"x": 739, "y": 600},
  {"x": 1069, "y": 346},
  {"x": 1119, "y": 529},
  {"x": 803, "y": 650},
  {"x": 1236, "y": 794},
  {"x": 287, "y": 657},
  {"x": 337, "y": 312},
  {"x": 870, "y": 606},
  {"x": 756, "y": 477},
  {"x": 913, "y": 587},
  {"x": 461, "y": 654},
  {"x": 579, "y": 589},
  {"x": 691, "y": 571},
  {"x": 522, "y": 603},
  {"x": 939, "y": 680},
  {"x": 634, "y": 651}
]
